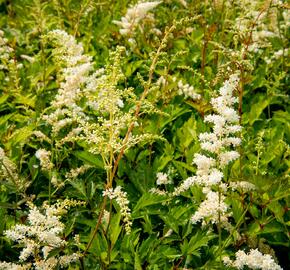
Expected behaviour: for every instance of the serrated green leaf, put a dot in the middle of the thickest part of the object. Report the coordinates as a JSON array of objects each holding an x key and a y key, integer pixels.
[
  {"x": 148, "y": 199},
  {"x": 89, "y": 158}
]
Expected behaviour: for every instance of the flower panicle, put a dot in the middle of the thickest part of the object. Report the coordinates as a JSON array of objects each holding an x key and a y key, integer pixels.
[
  {"x": 42, "y": 234},
  {"x": 254, "y": 259},
  {"x": 134, "y": 16},
  {"x": 123, "y": 202}
]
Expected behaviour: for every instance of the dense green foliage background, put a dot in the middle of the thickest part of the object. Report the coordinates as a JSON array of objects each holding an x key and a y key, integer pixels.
[{"x": 199, "y": 52}]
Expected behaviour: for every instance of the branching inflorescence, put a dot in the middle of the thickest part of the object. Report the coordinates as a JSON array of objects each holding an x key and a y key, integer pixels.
[
  {"x": 121, "y": 198},
  {"x": 40, "y": 236},
  {"x": 254, "y": 260},
  {"x": 217, "y": 146},
  {"x": 134, "y": 16},
  {"x": 89, "y": 103},
  {"x": 219, "y": 151}
]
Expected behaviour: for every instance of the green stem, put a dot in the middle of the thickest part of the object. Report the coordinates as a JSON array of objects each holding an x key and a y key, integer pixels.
[
  {"x": 97, "y": 226},
  {"x": 219, "y": 227},
  {"x": 106, "y": 232}
]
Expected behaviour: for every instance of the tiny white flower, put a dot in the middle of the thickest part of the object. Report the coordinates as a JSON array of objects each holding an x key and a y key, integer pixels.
[{"x": 162, "y": 179}]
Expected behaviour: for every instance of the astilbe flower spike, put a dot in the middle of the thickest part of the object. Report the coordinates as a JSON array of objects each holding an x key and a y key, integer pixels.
[
  {"x": 40, "y": 236},
  {"x": 121, "y": 198},
  {"x": 89, "y": 104},
  {"x": 253, "y": 260},
  {"x": 218, "y": 152},
  {"x": 133, "y": 17}
]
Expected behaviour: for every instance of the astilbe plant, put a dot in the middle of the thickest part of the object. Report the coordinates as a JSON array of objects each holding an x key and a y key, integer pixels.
[
  {"x": 218, "y": 152},
  {"x": 42, "y": 235},
  {"x": 96, "y": 112},
  {"x": 91, "y": 103},
  {"x": 88, "y": 120}
]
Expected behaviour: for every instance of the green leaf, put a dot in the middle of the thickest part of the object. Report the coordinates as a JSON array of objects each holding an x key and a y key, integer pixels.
[
  {"x": 26, "y": 100},
  {"x": 237, "y": 209},
  {"x": 273, "y": 227},
  {"x": 199, "y": 240},
  {"x": 163, "y": 161},
  {"x": 54, "y": 252},
  {"x": 115, "y": 228},
  {"x": 5, "y": 118},
  {"x": 174, "y": 114},
  {"x": 180, "y": 169},
  {"x": 170, "y": 252},
  {"x": 20, "y": 135},
  {"x": 8, "y": 205},
  {"x": 184, "y": 165},
  {"x": 277, "y": 209},
  {"x": 253, "y": 209},
  {"x": 81, "y": 188},
  {"x": 89, "y": 158},
  {"x": 257, "y": 108},
  {"x": 147, "y": 246},
  {"x": 171, "y": 222},
  {"x": 137, "y": 262},
  {"x": 132, "y": 67},
  {"x": 148, "y": 199},
  {"x": 3, "y": 98}
]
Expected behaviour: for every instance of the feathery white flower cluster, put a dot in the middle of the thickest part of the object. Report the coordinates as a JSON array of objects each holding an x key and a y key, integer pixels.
[
  {"x": 163, "y": 179},
  {"x": 174, "y": 86},
  {"x": 107, "y": 102},
  {"x": 5, "y": 51},
  {"x": 187, "y": 90},
  {"x": 277, "y": 55},
  {"x": 68, "y": 50},
  {"x": 44, "y": 158},
  {"x": 157, "y": 191},
  {"x": 8, "y": 62},
  {"x": 212, "y": 209},
  {"x": 91, "y": 106},
  {"x": 56, "y": 181},
  {"x": 30, "y": 59},
  {"x": 249, "y": 12},
  {"x": 13, "y": 266},
  {"x": 106, "y": 218},
  {"x": 121, "y": 198},
  {"x": 161, "y": 81},
  {"x": 252, "y": 13},
  {"x": 244, "y": 186},
  {"x": 75, "y": 72},
  {"x": 133, "y": 17},
  {"x": 41, "y": 136},
  {"x": 74, "y": 173},
  {"x": 253, "y": 260},
  {"x": 40, "y": 236},
  {"x": 218, "y": 144}
]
